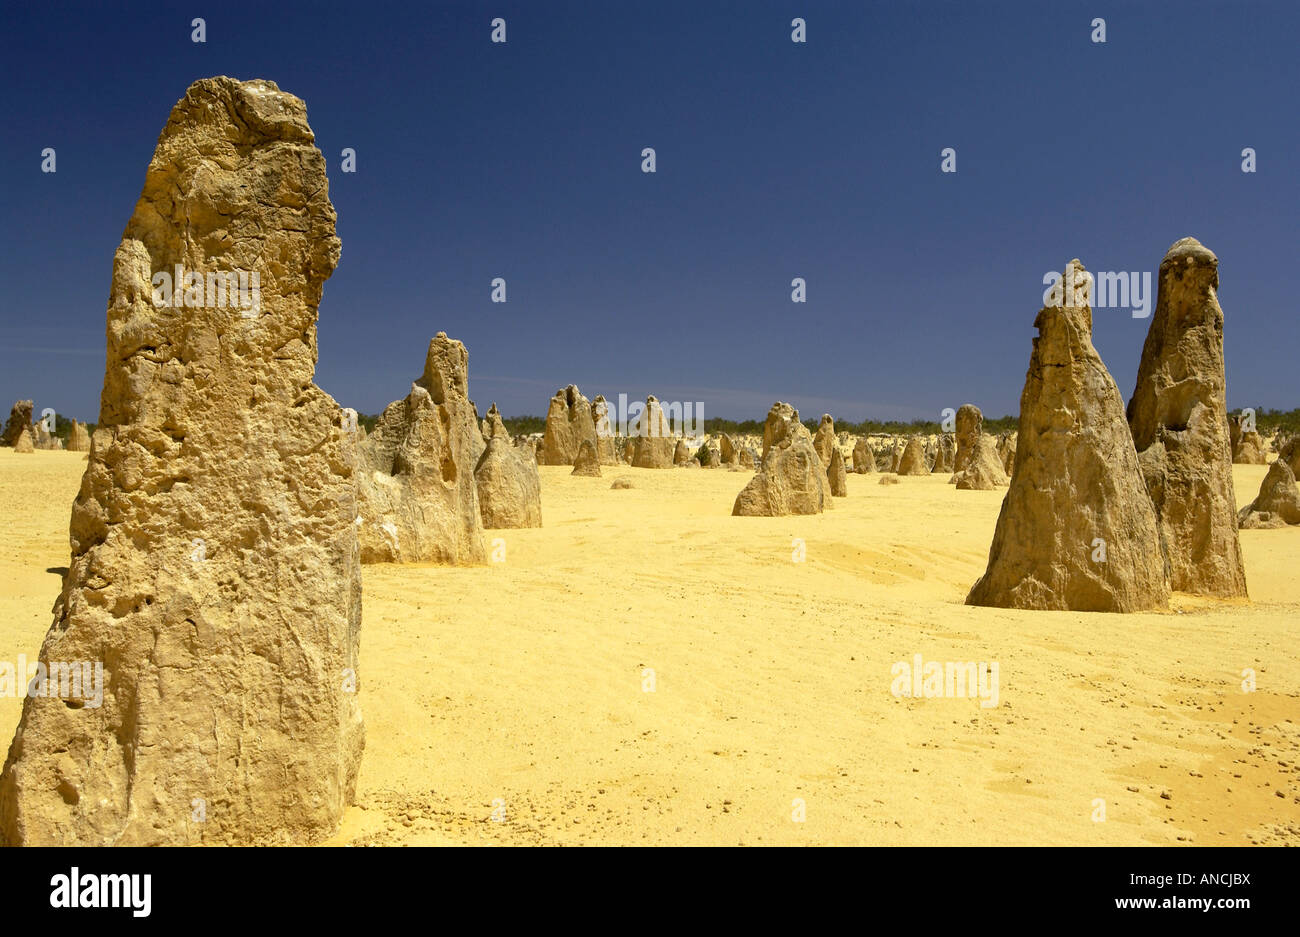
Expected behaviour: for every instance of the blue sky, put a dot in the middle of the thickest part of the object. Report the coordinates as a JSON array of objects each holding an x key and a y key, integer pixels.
[{"x": 775, "y": 160}]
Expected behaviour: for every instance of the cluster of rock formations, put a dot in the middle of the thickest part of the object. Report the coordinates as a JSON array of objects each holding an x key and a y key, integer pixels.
[
  {"x": 227, "y": 505},
  {"x": 1111, "y": 508},
  {"x": 416, "y": 492},
  {"x": 792, "y": 478}
]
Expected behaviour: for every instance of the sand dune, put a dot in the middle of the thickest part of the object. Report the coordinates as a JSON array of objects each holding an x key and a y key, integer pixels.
[{"x": 519, "y": 686}]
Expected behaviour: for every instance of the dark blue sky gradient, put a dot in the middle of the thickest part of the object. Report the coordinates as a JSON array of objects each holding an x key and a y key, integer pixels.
[{"x": 775, "y": 160}]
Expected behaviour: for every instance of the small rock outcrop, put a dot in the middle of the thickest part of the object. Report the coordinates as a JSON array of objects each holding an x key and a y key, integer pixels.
[
  {"x": 1006, "y": 448},
  {"x": 509, "y": 486},
  {"x": 1179, "y": 422},
  {"x": 569, "y": 421},
  {"x": 792, "y": 479},
  {"x": 983, "y": 471},
  {"x": 912, "y": 461},
  {"x": 78, "y": 438},
  {"x": 1077, "y": 530},
  {"x": 864, "y": 457},
  {"x": 652, "y": 440},
  {"x": 1278, "y": 503},
  {"x": 20, "y": 420},
  {"x": 586, "y": 464},
  {"x": 24, "y": 441},
  {"x": 416, "y": 493},
  {"x": 836, "y": 475},
  {"x": 969, "y": 427},
  {"x": 945, "y": 450},
  {"x": 824, "y": 441},
  {"x": 606, "y": 451}
]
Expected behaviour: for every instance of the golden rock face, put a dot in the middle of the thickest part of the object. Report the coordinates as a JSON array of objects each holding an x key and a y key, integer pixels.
[{"x": 214, "y": 570}]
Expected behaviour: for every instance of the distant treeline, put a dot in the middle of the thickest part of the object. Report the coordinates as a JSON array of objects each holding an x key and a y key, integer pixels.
[{"x": 1266, "y": 421}]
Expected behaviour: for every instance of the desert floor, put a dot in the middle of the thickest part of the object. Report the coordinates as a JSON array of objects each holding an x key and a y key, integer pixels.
[{"x": 519, "y": 689}]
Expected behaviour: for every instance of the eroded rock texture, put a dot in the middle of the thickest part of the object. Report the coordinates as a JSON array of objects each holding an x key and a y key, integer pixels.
[
  {"x": 651, "y": 438},
  {"x": 20, "y": 419},
  {"x": 214, "y": 571},
  {"x": 569, "y": 421},
  {"x": 824, "y": 440},
  {"x": 983, "y": 471},
  {"x": 509, "y": 486},
  {"x": 912, "y": 461},
  {"x": 792, "y": 479},
  {"x": 586, "y": 463},
  {"x": 864, "y": 457},
  {"x": 1278, "y": 503},
  {"x": 78, "y": 438},
  {"x": 1179, "y": 421},
  {"x": 969, "y": 428},
  {"x": 945, "y": 450},
  {"x": 417, "y": 496},
  {"x": 1076, "y": 488},
  {"x": 836, "y": 475}
]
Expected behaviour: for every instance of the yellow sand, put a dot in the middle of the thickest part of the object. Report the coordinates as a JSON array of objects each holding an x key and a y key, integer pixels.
[{"x": 520, "y": 685}]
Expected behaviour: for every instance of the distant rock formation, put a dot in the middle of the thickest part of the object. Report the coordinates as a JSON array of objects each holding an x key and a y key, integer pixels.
[
  {"x": 78, "y": 438},
  {"x": 983, "y": 471},
  {"x": 606, "y": 451},
  {"x": 728, "y": 449},
  {"x": 824, "y": 441},
  {"x": 415, "y": 483},
  {"x": 586, "y": 463},
  {"x": 44, "y": 439},
  {"x": 214, "y": 573},
  {"x": 681, "y": 453},
  {"x": 1248, "y": 446},
  {"x": 1076, "y": 531},
  {"x": 792, "y": 479},
  {"x": 652, "y": 440},
  {"x": 1180, "y": 427},
  {"x": 20, "y": 420},
  {"x": 621, "y": 482},
  {"x": 864, "y": 458},
  {"x": 1278, "y": 503},
  {"x": 1006, "y": 448},
  {"x": 509, "y": 486},
  {"x": 24, "y": 441},
  {"x": 568, "y": 422},
  {"x": 945, "y": 451},
  {"x": 1288, "y": 450},
  {"x": 912, "y": 461},
  {"x": 889, "y": 479},
  {"x": 969, "y": 428},
  {"x": 836, "y": 475}
]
